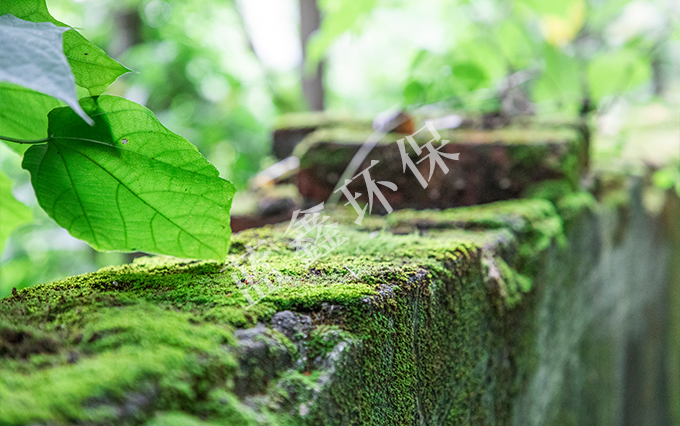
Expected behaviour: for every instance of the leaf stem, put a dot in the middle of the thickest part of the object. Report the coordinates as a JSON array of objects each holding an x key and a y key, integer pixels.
[{"x": 22, "y": 141}]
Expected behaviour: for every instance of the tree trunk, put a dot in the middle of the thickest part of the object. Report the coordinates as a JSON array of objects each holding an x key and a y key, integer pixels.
[{"x": 312, "y": 84}]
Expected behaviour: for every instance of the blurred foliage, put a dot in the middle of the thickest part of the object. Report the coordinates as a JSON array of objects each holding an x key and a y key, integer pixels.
[
  {"x": 669, "y": 178},
  {"x": 195, "y": 69},
  {"x": 339, "y": 17},
  {"x": 202, "y": 66},
  {"x": 566, "y": 55}
]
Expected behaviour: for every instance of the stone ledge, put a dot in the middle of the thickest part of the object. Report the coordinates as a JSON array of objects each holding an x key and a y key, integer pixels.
[
  {"x": 469, "y": 315},
  {"x": 493, "y": 165}
]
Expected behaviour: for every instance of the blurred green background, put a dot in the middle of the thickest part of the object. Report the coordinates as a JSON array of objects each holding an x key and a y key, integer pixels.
[{"x": 221, "y": 72}]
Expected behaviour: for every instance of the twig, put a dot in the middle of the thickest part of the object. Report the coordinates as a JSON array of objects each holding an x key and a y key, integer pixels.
[{"x": 351, "y": 272}]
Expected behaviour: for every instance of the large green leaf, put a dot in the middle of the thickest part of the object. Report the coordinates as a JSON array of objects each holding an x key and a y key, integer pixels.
[
  {"x": 128, "y": 183},
  {"x": 12, "y": 213},
  {"x": 93, "y": 69},
  {"x": 23, "y": 114},
  {"x": 32, "y": 56}
]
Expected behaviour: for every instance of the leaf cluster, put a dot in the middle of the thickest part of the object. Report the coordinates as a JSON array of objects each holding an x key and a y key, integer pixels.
[{"x": 102, "y": 167}]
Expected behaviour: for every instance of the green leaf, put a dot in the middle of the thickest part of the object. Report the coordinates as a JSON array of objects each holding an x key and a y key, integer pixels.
[
  {"x": 27, "y": 116},
  {"x": 413, "y": 91},
  {"x": 12, "y": 213},
  {"x": 541, "y": 6},
  {"x": 484, "y": 55},
  {"x": 469, "y": 75},
  {"x": 130, "y": 184},
  {"x": 668, "y": 178},
  {"x": 92, "y": 68},
  {"x": 560, "y": 80},
  {"x": 514, "y": 41},
  {"x": 339, "y": 16},
  {"x": 31, "y": 55},
  {"x": 616, "y": 72}
]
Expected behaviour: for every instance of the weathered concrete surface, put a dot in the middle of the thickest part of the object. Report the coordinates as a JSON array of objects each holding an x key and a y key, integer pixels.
[{"x": 516, "y": 313}]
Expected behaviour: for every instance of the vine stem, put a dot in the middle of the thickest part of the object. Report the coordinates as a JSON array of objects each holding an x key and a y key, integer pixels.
[{"x": 22, "y": 141}]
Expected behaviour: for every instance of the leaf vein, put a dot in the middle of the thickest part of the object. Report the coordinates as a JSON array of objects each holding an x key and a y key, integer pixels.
[
  {"x": 122, "y": 218},
  {"x": 80, "y": 203},
  {"x": 143, "y": 201}
]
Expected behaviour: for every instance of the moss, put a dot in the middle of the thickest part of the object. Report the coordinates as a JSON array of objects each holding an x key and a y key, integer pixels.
[
  {"x": 176, "y": 419},
  {"x": 20, "y": 342},
  {"x": 334, "y": 146},
  {"x": 513, "y": 135},
  {"x": 559, "y": 161},
  {"x": 329, "y": 147},
  {"x": 671, "y": 220},
  {"x": 119, "y": 352},
  {"x": 612, "y": 189},
  {"x": 404, "y": 358},
  {"x": 312, "y": 120},
  {"x": 511, "y": 284},
  {"x": 295, "y": 387},
  {"x": 572, "y": 205},
  {"x": 323, "y": 340},
  {"x": 507, "y": 136},
  {"x": 156, "y": 331},
  {"x": 534, "y": 222},
  {"x": 551, "y": 190}
]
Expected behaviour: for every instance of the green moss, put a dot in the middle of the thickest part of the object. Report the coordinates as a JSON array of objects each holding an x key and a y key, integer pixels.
[
  {"x": 323, "y": 340},
  {"x": 558, "y": 161},
  {"x": 159, "y": 327},
  {"x": 534, "y": 222},
  {"x": 572, "y": 205},
  {"x": 176, "y": 419},
  {"x": 511, "y": 284},
  {"x": 507, "y": 136},
  {"x": 551, "y": 190},
  {"x": 312, "y": 120},
  {"x": 333, "y": 147},
  {"x": 295, "y": 387},
  {"x": 329, "y": 147},
  {"x": 404, "y": 358},
  {"x": 513, "y": 135},
  {"x": 139, "y": 349}
]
